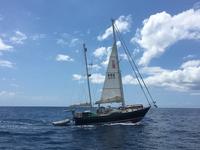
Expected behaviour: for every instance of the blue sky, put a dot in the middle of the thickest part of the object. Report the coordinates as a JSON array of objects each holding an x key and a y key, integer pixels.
[{"x": 41, "y": 58}]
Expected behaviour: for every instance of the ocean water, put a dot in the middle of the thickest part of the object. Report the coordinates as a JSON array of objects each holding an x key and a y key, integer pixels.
[{"x": 30, "y": 128}]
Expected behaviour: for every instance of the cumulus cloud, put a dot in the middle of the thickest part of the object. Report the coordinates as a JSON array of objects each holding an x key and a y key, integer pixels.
[
  {"x": 161, "y": 30},
  {"x": 123, "y": 23},
  {"x": 100, "y": 52},
  {"x": 191, "y": 64},
  {"x": 6, "y": 64},
  {"x": 129, "y": 79},
  {"x": 18, "y": 38},
  {"x": 103, "y": 53},
  {"x": 62, "y": 57},
  {"x": 106, "y": 58},
  {"x": 152, "y": 70},
  {"x": 97, "y": 78},
  {"x": 185, "y": 78}
]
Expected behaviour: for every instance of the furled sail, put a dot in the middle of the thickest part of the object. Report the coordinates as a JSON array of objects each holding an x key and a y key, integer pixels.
[{"x": 112, "y": 89}]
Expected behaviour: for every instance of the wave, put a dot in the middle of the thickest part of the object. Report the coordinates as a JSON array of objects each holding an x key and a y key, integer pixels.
[
  {"x": 123, "y": 124},
  {"x": 106, "y": 124},
  {"x": 5, "y": 133},
  {"x": 38, "y": 134},
  {"x": 22, "y": 122}
]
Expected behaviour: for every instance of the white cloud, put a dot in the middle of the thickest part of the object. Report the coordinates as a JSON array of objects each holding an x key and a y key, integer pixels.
[
  {"x": 161, "y": 30},
  {"x": 119, "y": 44},
  {"x": 152, "y": 70},
  {"x": 136, "y": 51},
  {"x": 7, "y": 94},
  {"x": 129, "y": 79},
  {"x": 105, "y": 62},
  {"x": 61, "y": 42},
  {"x": 108, "y": 52},
  {"x": 68, "y": 40},
  {"x": 191, "y": 63},
  {"x": 6, "y": 63},
  {"x": 180, "y": 80},
  {"x": 62, "y": 57},
  {"x": 100, "y": 52},
  {"x": 18, "y": 38},
  {"x": 74, "y": 42},
  {"x": 4, "y": 47},
  {"x": 97, "y": 78},
  {"x": 77, "y": 77},
  {"x": 94, "y": 66},
  {"x": 188, "y": 57},
  {"x": 103, "y": 53},
  {"x": 185, "y": 78},
  {"x": 123, "y": 23},
  {"x": 123, "y": 56}
]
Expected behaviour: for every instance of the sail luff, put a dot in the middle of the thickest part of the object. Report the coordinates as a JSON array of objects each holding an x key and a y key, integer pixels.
[{"x": 120, "y": 77}]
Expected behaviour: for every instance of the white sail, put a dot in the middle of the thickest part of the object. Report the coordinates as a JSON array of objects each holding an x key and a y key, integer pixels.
[{"x": 112, "y": 89}]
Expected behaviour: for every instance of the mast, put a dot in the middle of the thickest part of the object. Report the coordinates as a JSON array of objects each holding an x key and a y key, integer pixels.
[
  {"x": 114, "y": 40},
  {"x": 87, "y": 74}
]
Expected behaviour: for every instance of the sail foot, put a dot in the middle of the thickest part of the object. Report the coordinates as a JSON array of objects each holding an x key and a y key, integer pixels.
[{"x": 116, "y": 99}]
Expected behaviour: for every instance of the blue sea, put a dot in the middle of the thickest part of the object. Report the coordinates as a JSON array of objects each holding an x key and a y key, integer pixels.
[{"x": 30, "y": 128}]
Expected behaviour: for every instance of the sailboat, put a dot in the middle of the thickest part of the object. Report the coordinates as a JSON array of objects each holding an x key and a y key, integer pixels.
[{"x": 112, "y": 92}]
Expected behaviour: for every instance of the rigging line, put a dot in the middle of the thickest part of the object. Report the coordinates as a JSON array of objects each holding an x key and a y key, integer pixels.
[
  {"x": 147, "y": 89},
  {"x": 121, "y": 39},
  {"x": 133, "y": 67},
  {"x": 129, "y": 56}
]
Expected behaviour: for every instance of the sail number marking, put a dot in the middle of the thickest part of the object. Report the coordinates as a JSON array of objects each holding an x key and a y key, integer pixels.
[{"x": 111, "y": 75}]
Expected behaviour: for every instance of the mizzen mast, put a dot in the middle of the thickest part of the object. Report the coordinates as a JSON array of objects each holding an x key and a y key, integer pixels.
[{"x": 87, "y": 74}]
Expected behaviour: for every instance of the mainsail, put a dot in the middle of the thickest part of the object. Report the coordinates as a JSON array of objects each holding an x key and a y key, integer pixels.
[{"x": 112, "y": 89}]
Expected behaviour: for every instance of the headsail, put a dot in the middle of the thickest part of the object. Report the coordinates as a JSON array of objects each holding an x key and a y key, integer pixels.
[{"x": 112, "y": 89}]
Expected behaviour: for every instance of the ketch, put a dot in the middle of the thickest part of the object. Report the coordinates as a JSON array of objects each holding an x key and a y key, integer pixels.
[{"x": 113, "y": 92}]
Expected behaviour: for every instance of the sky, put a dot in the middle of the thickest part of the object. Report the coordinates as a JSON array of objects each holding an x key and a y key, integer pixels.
[{"x": 41, "y": 52}]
